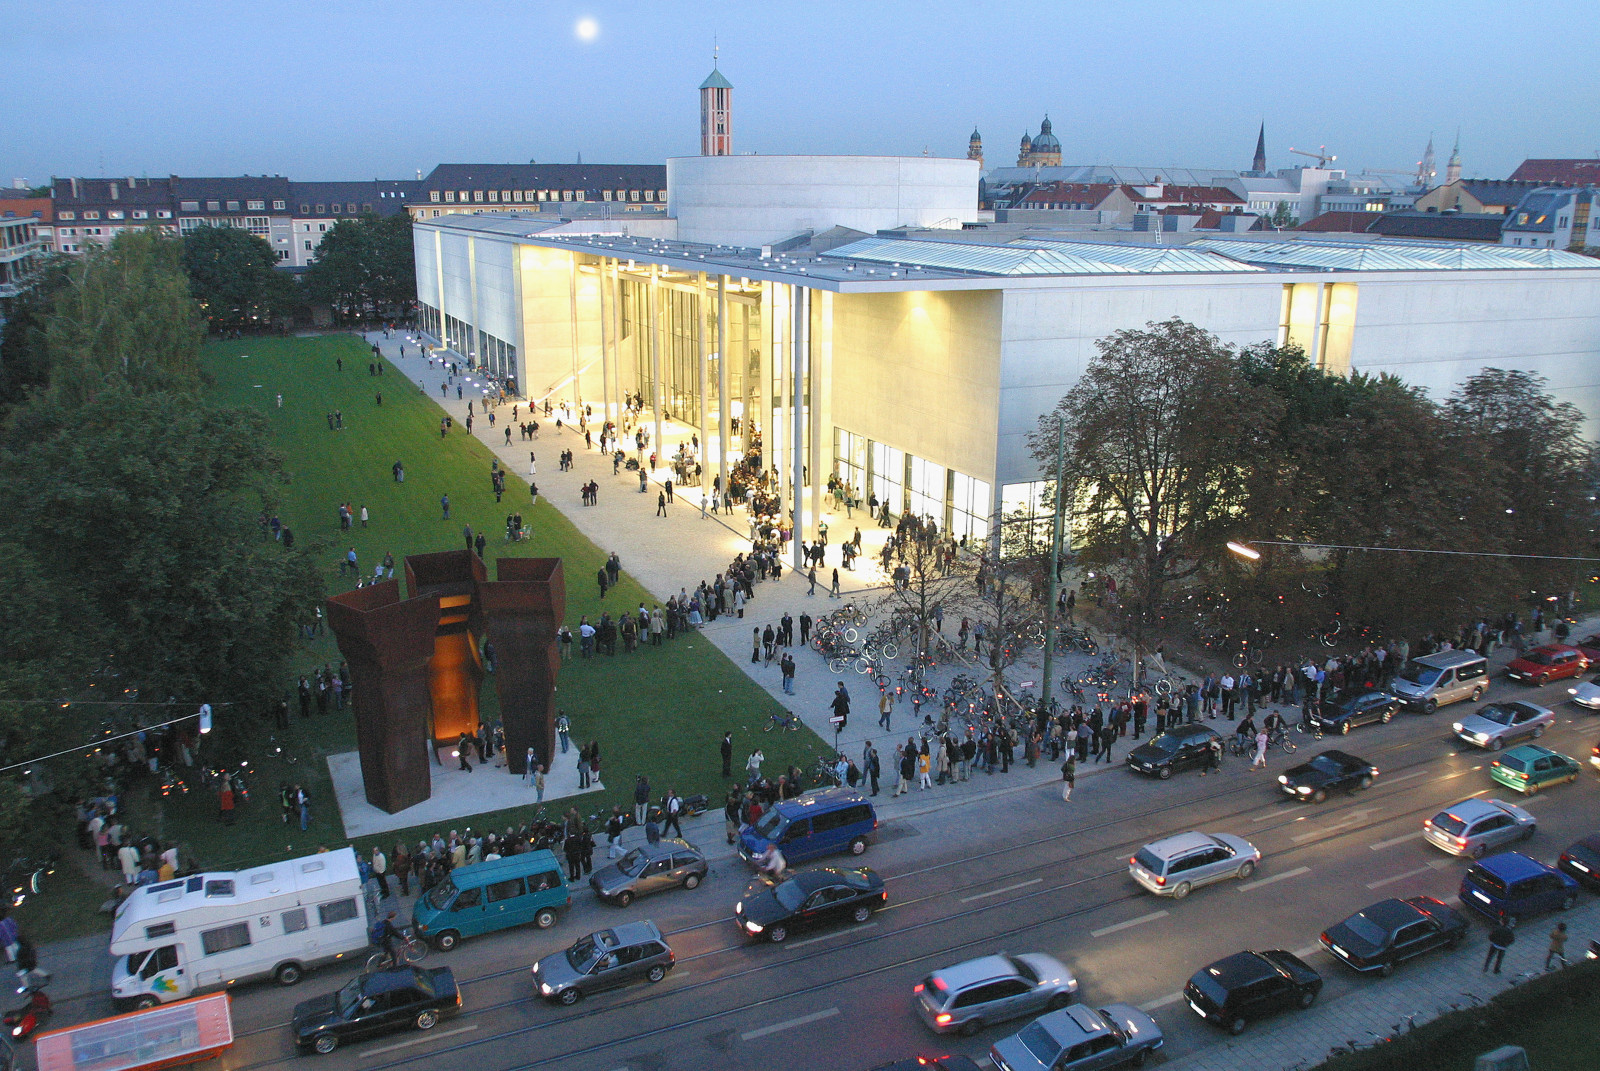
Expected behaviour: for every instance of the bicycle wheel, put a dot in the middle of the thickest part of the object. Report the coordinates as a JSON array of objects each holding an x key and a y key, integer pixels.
[
  {"x": 1163, "y": 686},
  {"x": 416, "y": 951},
  {"x": 838, "y": 663},
  {"x": 851, "y": 634},
  {"x": 1240, "y": 659},
  {"x": 1257, "y": 656},
  {"x": 864, "y": 665},
  {"x": 378, "y": 961},
  {"x": 890, "y": 651}
]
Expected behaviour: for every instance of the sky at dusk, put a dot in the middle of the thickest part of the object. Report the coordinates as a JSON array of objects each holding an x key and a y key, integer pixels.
[{"x": 349, "y": 89}]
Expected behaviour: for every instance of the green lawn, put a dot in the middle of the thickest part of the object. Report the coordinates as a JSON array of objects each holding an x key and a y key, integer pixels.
[{"x": 658, "y": 712}]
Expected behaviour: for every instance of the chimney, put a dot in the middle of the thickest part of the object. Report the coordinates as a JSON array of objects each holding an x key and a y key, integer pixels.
[
  {"x": 132, "y": 183},
  {"x": 113, "y": 187},
  {"x": 74, "y": 189}
]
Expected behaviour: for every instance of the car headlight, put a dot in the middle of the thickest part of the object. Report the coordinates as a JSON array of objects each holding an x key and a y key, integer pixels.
[
  {"x": 547, "y": 989},
  {"x": 1283, "y": 779},
  {"x": 1456, "y": 727},
  {"x": 1304, "y": 790},
  {"x": 1482, "y": 738},
  {"x": 753, "y": 927}
]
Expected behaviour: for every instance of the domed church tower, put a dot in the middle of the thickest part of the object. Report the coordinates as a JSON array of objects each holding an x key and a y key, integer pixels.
[
  {"x": 975, "y": 148},
  {"x": 1025, "y": 153}
]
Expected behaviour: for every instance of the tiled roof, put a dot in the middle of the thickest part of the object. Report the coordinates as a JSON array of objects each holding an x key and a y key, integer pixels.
[
  {"x": 13, "y": 207},
  {"x": 97, "y": 191},
  {"x": 384, "y": 197},
  {"x": 1187, "y": 195},
  {"x": 547, "y": 177},
  {"x": 1503, "y": 192},
  {"x": 1340, "y": 222},
  {"x": 1462, "y": 226},
  {"x": 1559, "y": 172},
  {"x": 1087, "y": 194}
]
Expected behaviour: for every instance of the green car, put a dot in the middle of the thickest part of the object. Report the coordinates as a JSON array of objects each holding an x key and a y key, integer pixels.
[{"x": 1530, "y": 767}]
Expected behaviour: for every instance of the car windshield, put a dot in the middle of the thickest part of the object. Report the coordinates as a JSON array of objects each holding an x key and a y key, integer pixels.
[
  {"x": 1367, "y": 930},
  {"x": 1024, "y": 971},
  {"x": 1419, "y": 674},
  {"x": 771, "y": 825},
  {"x": 790, "y": 895},
  {"x": 588, "y": 950},
  {"x": 1149, "y": 860},
  {"x": 1540, "y": 658},
  {"x": 349, "y": 997},
  {"x": 632, "y": 863},
  {"x": 439, "y": 896},
  {"x": 1449, "y": 823},
  {"x": 1037, "y": 1040},
  {"x": 1497, "y": 714},
  {"x": 1166, "y": 742},
  {"x": 136, "y": 960},
  {"x": 1327, "y": 764}
]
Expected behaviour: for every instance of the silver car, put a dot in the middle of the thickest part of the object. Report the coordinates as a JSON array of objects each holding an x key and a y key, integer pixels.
[
  {"x": 1174, "y": 865},
  {"x": 1498, "y": 724},
  {"x": 632, "y": 952},
  {"x": 971, "y": 995},
  {"x": 1473, "y": 826},
  {"x": 1586, "y": 693},
  {"x": 1079, "y": 1038},
  {"x": 650, "y": 868}
]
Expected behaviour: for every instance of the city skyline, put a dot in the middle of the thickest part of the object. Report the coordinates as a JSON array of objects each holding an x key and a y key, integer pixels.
[{"x": 349, "y": 90}]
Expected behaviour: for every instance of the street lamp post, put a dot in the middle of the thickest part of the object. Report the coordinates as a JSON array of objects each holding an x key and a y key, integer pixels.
[{"x": 1055, "y": 564}]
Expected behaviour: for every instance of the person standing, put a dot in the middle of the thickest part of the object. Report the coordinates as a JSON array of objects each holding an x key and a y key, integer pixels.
[
  {"x": 661, "y": 503},
  {"x": 786, "y": 667},
  {"x": 1261, "y": 751},
  {"x": 841, "y": 707},
  {"x": 380, "y": 870},
  {"x": 873, "y": 767},
  {"x": 563, "y": 730},
  {"x": 1069, "y": 777},
  {"x": 641, "y": 800},
  {"x": 225, "y": 802},
  {"x": 538, "y": 782},
  {"x": 752, "y": 766},
  {"x": 672, "y": 812},
  {"x": 1500, "y": 938},
  {"x": 730, "y": 812},
  {"x": 885, "y": 708},
  {"x": 584, "y": 767},
  {"x": 444, "y": 504},
  {"x": 1558, "y": 947},
  {"x": 461, "y": 753},
  {"x": 726, "y": 748},
  {"x": 402, "y": 868}
]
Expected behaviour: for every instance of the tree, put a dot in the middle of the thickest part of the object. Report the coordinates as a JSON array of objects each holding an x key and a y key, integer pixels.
[
  {"x": 124, "y": 320},
  {"x": 365, "y": 268},
  {"x": 24, "y": 347},
  {"x": 933, "y": 585},
  {"x": 1162, "y": 431},
  {"x": 233, "y": 274},
  {"x": 1282, "y": 216}
]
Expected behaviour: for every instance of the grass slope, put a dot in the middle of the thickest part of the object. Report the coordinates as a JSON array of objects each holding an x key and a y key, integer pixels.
[{"x": 657, "y": 712}]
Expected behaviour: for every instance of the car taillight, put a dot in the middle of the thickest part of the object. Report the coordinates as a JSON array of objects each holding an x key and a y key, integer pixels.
[
  {"x": 1461, "y": 842},
  {"x": 917, "y": 988},
  {"x": 1161, "y": 881},
  {"x": 943, "y": 1018}
]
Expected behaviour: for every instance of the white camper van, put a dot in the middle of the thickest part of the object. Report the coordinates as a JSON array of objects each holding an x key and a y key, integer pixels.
[{"x": 206, "y": 931}]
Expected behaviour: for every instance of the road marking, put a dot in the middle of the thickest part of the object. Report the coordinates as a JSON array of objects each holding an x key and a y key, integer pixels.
[
  {"x": 1308, "y": 950},
  {"x": 789, "y": 1024},
  {"x": 997, "y": 892},
  {"x": 1350, "y": 821},
  {"x": 430, "y": 1036},
  {"x": 1403, "y": 777},
  {"x": 1295, "y": 873},
  {"x": 1269, "y": 816},
  {"x": 1160, "y": 1002},
  {"x": 1433, "y": 864},
  {"x": 1140, "y": 921},
  {"x": 830, "y": 936},
  {"x": 1392, "y": 841}
]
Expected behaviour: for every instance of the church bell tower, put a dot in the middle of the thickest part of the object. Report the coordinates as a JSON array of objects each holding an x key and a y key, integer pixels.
[{"x": 716, "y": 114}]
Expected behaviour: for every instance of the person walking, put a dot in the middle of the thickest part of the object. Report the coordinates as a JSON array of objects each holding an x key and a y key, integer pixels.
[
  {"x": 1500, "y": 938},
  {"x": 563, "y": 730},
  {"x": 661, "y": 504},
  {"x": 1261, "y": 751},
  {"x": 461, "y": 753},
  {"x": 1069, "y": 777},
  {"x": 730, "y": 812},
  {"x": 641, "y": 800},
  {"x": 672, "y": 812},
  {"x": 444, "y": 504},
  {"x": 885, "y": 708},
  {"x": 1558, "y": 947},
  {"x": 833, "y": 592},
  {"x": 726, "y": 748},
  {"x": 811, "y": 576},
  {"x": 538, "y": 782}
]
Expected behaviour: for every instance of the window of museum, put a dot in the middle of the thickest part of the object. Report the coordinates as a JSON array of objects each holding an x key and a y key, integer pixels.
[
  {"x": 969, "y": 507},
  {"x": 888, "y": 476},
  {"x": 927, "y": 490}
]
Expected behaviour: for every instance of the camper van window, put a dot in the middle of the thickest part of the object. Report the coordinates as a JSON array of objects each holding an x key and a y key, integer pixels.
[
  {"x": 220, "y": 887},
  {"x": 225, "y": 938},
  {"x": 194, "y": 884},
  {"x": 162, "y": 959},
  {"x": 311, "y": 867},
  {"x": 294, "y": 921},
  {"x": 261, "y": 878},
  {"x": 136, "y": 960},
  {"x": 338, "y": 911},
  {"x": 169, "y": 893},
  {"x": 160, "y": 929},
  {"x": 168, "y": 885}
]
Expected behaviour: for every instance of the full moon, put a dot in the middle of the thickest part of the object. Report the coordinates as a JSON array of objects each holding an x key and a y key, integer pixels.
[{"x": 587, "y": 29}]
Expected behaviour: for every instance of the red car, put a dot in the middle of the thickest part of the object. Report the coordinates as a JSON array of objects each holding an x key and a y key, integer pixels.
[
  {"x": 1590, "y": 646},
  {"x": 1549, "y": 663}
]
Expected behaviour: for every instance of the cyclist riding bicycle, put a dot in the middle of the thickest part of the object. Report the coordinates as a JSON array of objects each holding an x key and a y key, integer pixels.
[
  {"x": 1273, "y": 723},
  {"x": 387, "y": 936},
  {"x": 1244, "y": 734}
]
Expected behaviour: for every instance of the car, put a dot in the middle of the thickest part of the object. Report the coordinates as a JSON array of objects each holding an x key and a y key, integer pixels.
[
  {"x": 969, "y": 996},
  {"x": 1249, "y": 985},
  {"x": 1511, "y": 886},
  {"x": 601, "y": 960},
  {"x": 1497, "y": 724},
  {"x": 1475, "y": 825},
  {"x": 1552, "y": 662},
  {"x": 1529, "y": 768},
  {"x": 816, "y": 823},
  {"x": 1586, "y": 694},
  {"x": 1174, "y": 865},
  {"x": 1341, "y": 713},
  {"x": 1378, "y": 937},
  {"x": 376, "y": 1003},
  {"x": 772, "y": 910},
  {"x": 1590, "y": 647},
  {"x": 1332, "y": 769},
  {"x": 1177, "y": 748},
  {"x": 650, "y": 868},
  {"x": 1079, "y": 1037},
  {"x": 952, "y": 1062},
  {"x": 1594, "y": 756},
  {"x": 1581, "y": 861}
]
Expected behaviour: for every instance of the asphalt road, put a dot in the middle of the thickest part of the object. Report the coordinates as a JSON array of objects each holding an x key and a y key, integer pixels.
[{"x": 1022, "y": 871}]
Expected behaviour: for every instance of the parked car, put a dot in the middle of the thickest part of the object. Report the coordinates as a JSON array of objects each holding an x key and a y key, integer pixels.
[
  {"x": 773, "y": 910},
  {"x": 810, "y": 825},
  {"x": 1341, "y": 713},
  {"x": 1512, "y": 886},
  {"x": 1250, "y": 985},
  {"x": 1432, "y": 681},
  {"x": 650, "y": 868},
  {"x": 1178, "y": 748},
  {"x": 1581, "y": 861},
  {"x": 376, "y": 1003},
  {"x": 1594, "y": 756},
  {"x": 1378, "y": 937},
  {"x": 605, "y": 959},
  {"x": 1587, "y": 693},
  {"x": 1496, "y": 725},
  {"x": 969, "y": 996},
  {"x": 1529, "y": 768},
  {"x": 494, "y": 895},
  {"x": 1313, "y": 780},
  {"x": 1552, "y": 662},
  {"x": 1475, "y": 825},
  {"x": 1174, "y": 865},
  {"x": 1590, "y": 647},
  {"x": 1080, "y": 1038}
]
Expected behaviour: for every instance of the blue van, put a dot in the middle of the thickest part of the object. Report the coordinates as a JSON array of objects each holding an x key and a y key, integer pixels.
[
  {"x": 483, "y": 897},
  {"x": 1512, "y": 886},
  {"x": 812, "y": 824}
]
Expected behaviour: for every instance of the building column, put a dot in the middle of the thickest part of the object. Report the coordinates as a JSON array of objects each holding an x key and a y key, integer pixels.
[
  {"x": 722, "y": 379},
  {"x": 616, "y": 337},
  {"x": 764, "y": 376},
  {"x": 655, "y": 352},
  {"x": 820, "y": 409},
  {"x": 700, "y": 305},
  {"x": 799, "y": 343},
  {"x": 572, "y": 298},
  {"x": 1316, "y": 355},
  {"x": 605, "y": 353},
  {"x": 473, "y": 345}
]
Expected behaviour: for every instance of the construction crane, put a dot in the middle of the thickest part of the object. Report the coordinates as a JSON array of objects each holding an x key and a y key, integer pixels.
[
  {"x": 1387, "y": 171},
  {"x": 1321, "y": 156}
]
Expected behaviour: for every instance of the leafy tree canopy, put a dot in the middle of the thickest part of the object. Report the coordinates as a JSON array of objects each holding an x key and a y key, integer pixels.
[
  {"x": 234, "y": 277},
  {"x": 365, "y": 267}
]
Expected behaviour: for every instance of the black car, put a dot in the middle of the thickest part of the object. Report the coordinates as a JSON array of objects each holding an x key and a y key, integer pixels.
[
  {"x": 1329, "y": 770},
  {"x": 376, "y": 1003},
  {"x": 1581, "y": 861},
  {"x": 1250, "y": 985},
  {"x": 1378, "y": 937},
  {"x": 1178, "y": 748},
  {"x": 1341, "y": 713},
  {"x": 772, "y": 910}
]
